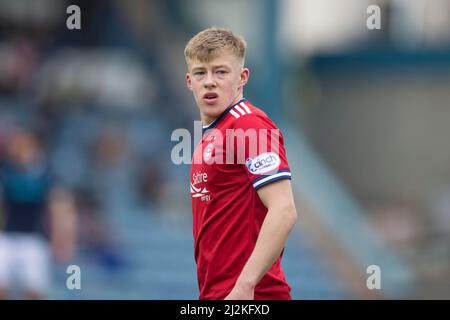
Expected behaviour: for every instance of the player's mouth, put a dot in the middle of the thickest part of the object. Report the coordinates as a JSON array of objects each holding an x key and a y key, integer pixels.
[{"x": 211, "y": 98}]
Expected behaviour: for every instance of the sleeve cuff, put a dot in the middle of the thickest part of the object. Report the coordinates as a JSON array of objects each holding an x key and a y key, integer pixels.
[{"x": 265, "y": 180}]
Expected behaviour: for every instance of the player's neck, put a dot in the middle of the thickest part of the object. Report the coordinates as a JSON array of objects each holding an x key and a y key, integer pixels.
[{"x": 207, "y": 122}]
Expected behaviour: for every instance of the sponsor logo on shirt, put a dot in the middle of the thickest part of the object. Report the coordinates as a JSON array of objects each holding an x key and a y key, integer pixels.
[
  {"x": 263, "y": 163},
  {"x": 199, "y": 192}
]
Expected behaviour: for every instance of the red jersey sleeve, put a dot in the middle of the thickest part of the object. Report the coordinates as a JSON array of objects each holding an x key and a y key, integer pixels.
[{"x": 259, "y": 148}]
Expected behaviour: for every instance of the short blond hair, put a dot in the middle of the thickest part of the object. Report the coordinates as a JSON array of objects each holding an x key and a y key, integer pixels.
[{"x": 206, "y": 44}]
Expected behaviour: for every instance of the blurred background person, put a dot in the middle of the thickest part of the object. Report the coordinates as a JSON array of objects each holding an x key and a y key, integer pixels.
[{"x": 38, "y": 218}]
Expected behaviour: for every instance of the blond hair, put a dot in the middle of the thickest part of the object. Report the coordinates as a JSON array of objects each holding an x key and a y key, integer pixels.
[{"x": 206, "y": 44}]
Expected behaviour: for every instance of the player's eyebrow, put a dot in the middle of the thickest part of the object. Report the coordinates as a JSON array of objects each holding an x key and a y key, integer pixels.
[
  {"x": 201, "y": 68},
  {"x": 198, "y": 67}
]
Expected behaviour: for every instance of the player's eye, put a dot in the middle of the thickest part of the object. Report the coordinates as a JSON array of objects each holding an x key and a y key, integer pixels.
[
  {"x": 222, "y": 72},
  {"x": 199, "y": 73}
]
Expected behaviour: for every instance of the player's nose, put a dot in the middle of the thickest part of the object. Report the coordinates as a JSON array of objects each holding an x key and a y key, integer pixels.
[{"x": 209, "y": 80}]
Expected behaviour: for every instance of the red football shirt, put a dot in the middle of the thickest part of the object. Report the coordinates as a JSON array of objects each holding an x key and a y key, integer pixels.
[{"x": 229, "y": 165}]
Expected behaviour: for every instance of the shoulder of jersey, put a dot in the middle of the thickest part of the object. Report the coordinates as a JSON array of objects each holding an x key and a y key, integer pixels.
[{"x": 245, "y": 110}]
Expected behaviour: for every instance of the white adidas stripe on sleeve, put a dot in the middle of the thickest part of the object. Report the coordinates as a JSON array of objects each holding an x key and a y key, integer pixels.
[
  {"x": 243, "y": 105},
  {"x": 234, "y": 113},
  {"x": 240, "y": 110}
]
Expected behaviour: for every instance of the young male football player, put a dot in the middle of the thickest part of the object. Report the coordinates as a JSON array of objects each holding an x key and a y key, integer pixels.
[{"x": 242, "y": 201}]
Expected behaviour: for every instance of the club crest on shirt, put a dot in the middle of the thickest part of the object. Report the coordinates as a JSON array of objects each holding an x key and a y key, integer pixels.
[
  {"x": 263, "y": 163},
  {"x": 207, "y": 154}
]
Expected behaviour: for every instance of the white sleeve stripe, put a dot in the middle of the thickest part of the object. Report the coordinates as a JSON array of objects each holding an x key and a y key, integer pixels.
[
  {"x": 240, "y": 110},
  {"x": 234, "y": 114},
  {"x": 274, "y": 176},
  {"x": 243, "y": 105}
]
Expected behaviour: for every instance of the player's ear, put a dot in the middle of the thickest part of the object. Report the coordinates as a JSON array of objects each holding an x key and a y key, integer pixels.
[
  {"x": 188, "y": 81},
  {"x": 245, "y": 74}
]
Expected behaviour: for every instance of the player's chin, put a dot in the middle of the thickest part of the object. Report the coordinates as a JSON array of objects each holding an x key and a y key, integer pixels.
[{"x": 213, "y": 110}]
